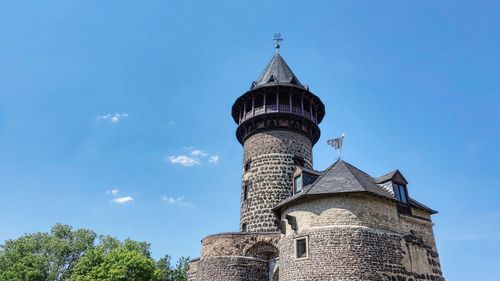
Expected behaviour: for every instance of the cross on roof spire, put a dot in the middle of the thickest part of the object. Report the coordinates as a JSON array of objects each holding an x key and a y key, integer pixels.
[{"x": 278, "y": 39}]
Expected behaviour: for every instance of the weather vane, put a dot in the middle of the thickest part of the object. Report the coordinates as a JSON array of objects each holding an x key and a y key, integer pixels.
[
  {"x": 278, "y": 39},
  {"x": 337, "y": 144}
]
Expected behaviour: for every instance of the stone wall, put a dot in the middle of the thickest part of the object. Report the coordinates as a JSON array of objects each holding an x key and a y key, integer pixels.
[
  {"x": 358, "y": 237},
  {"x": 232, "y": 269},
  {"x": 193, "y": 270},
  {"x": 273, "y": 155},
  {"x": 235, "y": 256}
]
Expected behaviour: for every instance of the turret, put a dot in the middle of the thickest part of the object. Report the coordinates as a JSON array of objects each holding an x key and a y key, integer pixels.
[{"x": 277, "y": 125}]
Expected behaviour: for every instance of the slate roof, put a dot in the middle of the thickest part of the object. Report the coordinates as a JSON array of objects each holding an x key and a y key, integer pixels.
[
  {"x": 390, "y": 176},
  {"x": 342, "y": 177},
  {"x": 277, "y": 72}
]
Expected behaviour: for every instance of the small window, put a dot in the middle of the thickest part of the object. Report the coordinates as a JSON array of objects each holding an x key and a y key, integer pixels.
[
  {"x": 245, "y": 192},
  {"x": 244, "y": 227},
  {"x": 248, "y": 165},
  {"x": 297, "y": 184},
  {"x": 400, "y": 193},
  {"x": 301, "y": 248}
]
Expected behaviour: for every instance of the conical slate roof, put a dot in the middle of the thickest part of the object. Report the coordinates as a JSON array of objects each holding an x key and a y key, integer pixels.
[{"x": 277, "y": 72}]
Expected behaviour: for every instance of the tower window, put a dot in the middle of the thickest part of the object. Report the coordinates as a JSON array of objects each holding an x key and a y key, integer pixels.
[
  {"x": 400, "y": 193},
  {"x": 297, "y": 184},
  {"x": 248, "y": 165},
  {"x": 301, "y": 248},
  {"x": 244, "y": 227},
  {"x": 245, "y": 192}
]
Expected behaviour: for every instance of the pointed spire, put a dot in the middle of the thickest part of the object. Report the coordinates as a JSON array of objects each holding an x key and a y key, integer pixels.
[{"x": 277, "y": 72}]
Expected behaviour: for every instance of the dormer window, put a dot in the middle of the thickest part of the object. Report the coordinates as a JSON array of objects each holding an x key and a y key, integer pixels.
[
  {"x": 297, "y": 184},
  {"x": 400, "y": 193}
]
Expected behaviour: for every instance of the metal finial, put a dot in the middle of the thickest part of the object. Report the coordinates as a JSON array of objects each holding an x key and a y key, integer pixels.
[{"x": 278, "y": 39}]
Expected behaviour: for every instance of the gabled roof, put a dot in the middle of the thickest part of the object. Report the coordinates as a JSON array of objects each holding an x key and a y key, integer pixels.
[
  {"x": 391, "y": 175},
  {"x": 342, "y": 177},
  {"x": 277, "y": 72}
]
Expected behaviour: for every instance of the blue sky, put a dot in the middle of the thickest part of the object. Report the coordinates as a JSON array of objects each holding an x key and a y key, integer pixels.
[{"x": 97, "y": 96}]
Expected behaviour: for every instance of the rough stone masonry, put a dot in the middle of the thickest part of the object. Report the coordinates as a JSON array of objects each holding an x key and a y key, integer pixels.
[{"x": 297, "y": 223}]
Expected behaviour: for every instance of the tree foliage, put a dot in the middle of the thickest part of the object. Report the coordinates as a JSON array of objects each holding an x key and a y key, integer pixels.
[{"x": 82, "y": 255}]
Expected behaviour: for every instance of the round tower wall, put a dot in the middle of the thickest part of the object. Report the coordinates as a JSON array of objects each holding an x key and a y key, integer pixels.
[
  {"x": 236, "y": 256},
  {"x": 357, "y": 237},
  {"x": 268, "y": 163}
]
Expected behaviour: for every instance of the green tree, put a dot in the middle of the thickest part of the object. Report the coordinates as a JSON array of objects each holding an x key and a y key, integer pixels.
[
  {"x": 120, "y": 264},
  {"x": 64, "y": 254},
  {"x": 44, "y": 256}
]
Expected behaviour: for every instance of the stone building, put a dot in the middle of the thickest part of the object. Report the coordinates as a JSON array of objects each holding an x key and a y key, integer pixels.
[{"x": 297, "y": 223}]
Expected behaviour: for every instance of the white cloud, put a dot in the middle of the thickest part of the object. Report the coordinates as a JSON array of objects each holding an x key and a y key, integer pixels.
[
  {"x": 193, "y": 157},
  {"x": 183, "y": 160},
  {"x": 198, "y": 153},
  {"x": 214, "y": 159},
  {"x": 181, "y": 201},
  {"x": 113, "y": 118},
  {"x": 113, "y": 191},
  {"x": 123, "y": 200}
]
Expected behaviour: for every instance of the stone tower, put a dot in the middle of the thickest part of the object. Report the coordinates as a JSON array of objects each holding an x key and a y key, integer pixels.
[
  {"x": 301, "y": 224},
  {"x": 277, "y": 125}
]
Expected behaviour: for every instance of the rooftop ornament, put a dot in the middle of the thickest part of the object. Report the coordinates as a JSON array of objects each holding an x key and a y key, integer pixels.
[{"x": 278, "y": 39}]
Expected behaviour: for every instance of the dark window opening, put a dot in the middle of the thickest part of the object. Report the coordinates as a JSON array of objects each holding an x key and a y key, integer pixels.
[
  {"x": 245, "y": 192},
  {"x": 284, "y": 99},
  {"x": 244, "y": 227},
  {"x": 297, "y": 184},
  {"x": 306, "y": 105},
  {"x": 271, "y": 98},
  {"x": 301, "y": 248},
  {"x": 259, "y": 101},
  {"x": 249, "y": 105},
  {"x": 400, "y": 193},
  {"x": 248, "y": 165},
  {"x": 296, "y": 100}
]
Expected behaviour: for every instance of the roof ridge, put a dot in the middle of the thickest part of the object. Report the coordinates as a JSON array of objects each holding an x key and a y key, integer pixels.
[
  {"x": 349, "y": 166},
  {"x": 372, "y": 180}
]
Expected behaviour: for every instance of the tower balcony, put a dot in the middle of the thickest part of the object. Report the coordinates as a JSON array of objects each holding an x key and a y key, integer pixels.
[{"x": 273, "y": 108}]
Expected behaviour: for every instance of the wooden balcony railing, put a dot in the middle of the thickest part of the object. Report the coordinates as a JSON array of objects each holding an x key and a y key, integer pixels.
[{"x": 276, "y": 109}]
